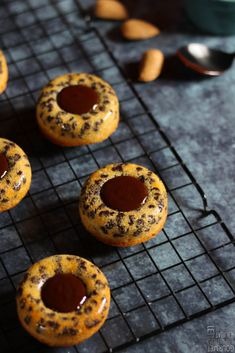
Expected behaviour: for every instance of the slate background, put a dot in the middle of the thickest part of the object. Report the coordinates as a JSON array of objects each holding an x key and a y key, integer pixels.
[
  {"x": 198, "y": 116},
  {"x": 196, "y": 113}
]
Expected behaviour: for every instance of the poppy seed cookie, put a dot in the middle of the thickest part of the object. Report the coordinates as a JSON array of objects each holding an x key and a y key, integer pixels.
[
  {"x": 123, "y": 204},
  {"x": 76, "y": 109}
]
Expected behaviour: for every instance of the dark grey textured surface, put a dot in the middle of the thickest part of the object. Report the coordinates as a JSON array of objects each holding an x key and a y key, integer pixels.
[
  {"x": 45, "y": 34},
  {"x": 192, "y": 336},
  {"x": 197, "y": 114}
]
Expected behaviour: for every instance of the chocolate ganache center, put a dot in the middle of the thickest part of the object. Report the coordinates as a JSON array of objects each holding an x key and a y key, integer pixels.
[
  {"x": 4, "y": 166},
  {"x": 124, "y": 193},
  {"x": 63, "y": 292},
  {"x": 78, "y": 99}
]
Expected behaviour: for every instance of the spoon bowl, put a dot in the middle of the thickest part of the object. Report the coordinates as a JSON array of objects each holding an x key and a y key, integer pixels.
[{"x": 204, "y": 60}]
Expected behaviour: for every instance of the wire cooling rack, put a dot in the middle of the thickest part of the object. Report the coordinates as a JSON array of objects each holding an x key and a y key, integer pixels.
[{"x": 186, "y": 271}]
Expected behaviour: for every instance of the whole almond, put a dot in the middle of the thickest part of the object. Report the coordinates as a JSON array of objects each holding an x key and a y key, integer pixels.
[
  {"x": 151, "y": 65},
  {"x": 135, "y": 29},
  {"x": 110, "y": 10}
]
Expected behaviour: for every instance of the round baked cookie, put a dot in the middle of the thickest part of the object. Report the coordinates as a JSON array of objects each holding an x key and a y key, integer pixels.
[
  {"x": 63, "y": 300},
  {"x": 3, "y": 72},
  {"x": 15, "y": 174},
  {"x": 76, "y": 109},
  {"x": 123, "y": 204}
]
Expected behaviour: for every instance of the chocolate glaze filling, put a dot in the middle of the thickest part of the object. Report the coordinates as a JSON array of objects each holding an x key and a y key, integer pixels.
[
  {"x": 63, "y": 292},
  {"x": 124, "y": 193},
  {"x": 78, "y": 99},
  {"x": 4, "y": 166}
]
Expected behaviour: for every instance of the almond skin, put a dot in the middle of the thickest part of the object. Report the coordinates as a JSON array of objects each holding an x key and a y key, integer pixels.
[
  {"x": 151, "y": 65},
  {"x": 135, "y": 29},
  {"x": 110, "y": 10}
]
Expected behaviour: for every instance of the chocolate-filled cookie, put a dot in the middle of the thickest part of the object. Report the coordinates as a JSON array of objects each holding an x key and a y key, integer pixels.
[
  {"x": 76, "y": 109},
  {"x": 63, "y": 300},
  {"x": 15, "y": 174},
  {"x": 123, "y": 204}
]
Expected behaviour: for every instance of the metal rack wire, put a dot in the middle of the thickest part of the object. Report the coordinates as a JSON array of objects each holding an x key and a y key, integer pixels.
[{"x": 183, "y": 273}]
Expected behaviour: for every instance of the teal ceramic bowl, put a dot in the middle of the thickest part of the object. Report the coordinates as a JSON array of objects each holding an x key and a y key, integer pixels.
[{"x": 214, "y": 16}]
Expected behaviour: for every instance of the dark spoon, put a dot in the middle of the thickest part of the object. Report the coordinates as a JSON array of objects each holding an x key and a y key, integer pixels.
[{"x": 206, "y": 61}]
